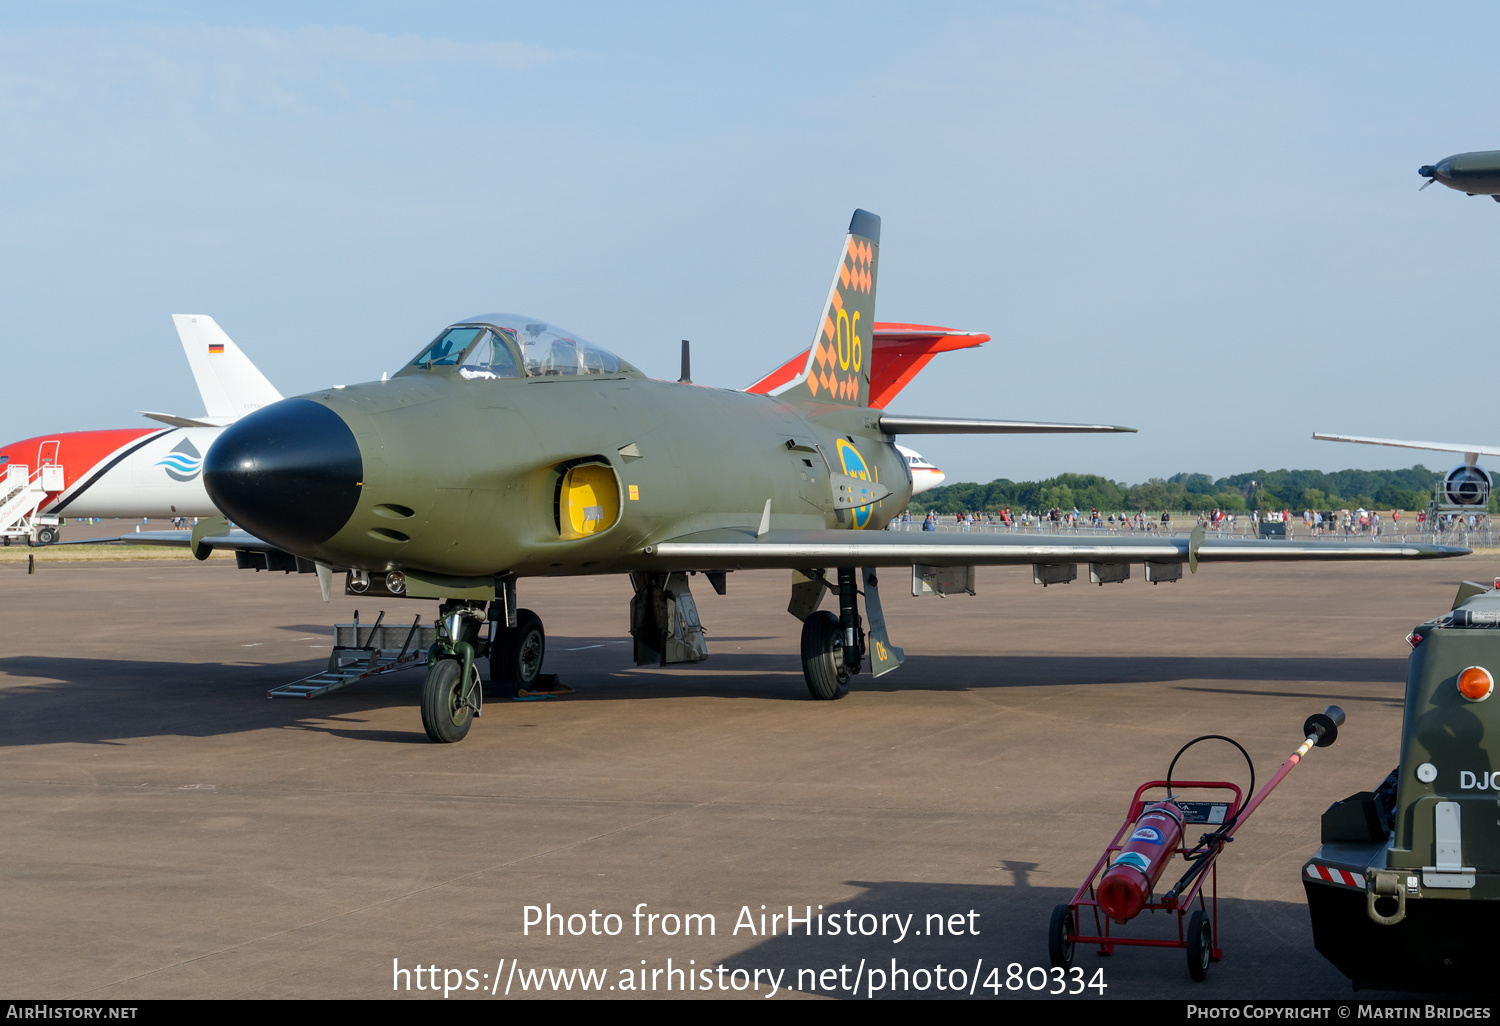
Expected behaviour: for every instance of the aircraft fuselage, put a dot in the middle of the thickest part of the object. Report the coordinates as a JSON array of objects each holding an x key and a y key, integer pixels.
[
  {"x": 127, "y": 472},
  {"x": 432, "y": 472}
]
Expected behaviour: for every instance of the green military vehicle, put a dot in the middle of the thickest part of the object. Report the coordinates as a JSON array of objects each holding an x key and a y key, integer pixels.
[{"x": 1406, "y": 886}]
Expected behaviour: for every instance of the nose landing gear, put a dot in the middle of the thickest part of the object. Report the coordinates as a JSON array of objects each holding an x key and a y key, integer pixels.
[
  {"x": 453, "y": 694},
  {"x": 449, "y": 702}
]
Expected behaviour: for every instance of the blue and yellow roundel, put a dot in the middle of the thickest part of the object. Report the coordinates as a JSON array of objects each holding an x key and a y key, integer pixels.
[{"x": 855, "y": 466}]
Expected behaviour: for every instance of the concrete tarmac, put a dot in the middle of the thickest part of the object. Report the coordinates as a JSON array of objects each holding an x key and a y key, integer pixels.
[{"x": 169, "y": 832}]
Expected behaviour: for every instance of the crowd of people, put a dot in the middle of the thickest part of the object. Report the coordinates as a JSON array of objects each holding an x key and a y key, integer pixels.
[
  {"x": 1055, "y": 518},
  {"x": 1360, "y": 522}
]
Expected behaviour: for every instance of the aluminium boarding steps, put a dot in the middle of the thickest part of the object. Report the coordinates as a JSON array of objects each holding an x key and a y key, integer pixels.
[
  {"x": 363, "y": 652},
  {"x": 22, "y": 492}
]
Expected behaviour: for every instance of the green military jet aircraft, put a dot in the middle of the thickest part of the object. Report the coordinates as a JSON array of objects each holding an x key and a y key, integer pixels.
[
  {"x": 512, "y": 448},
  {"x": 1475, "y": 174}
]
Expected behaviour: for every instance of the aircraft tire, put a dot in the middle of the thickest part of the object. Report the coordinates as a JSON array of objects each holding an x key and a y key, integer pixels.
[
  {"x": 1059, "y": 942},
  {"x": 1200, "y": 944},
  {"x": 517, "y": 660},
  {"x": 47, "y": 536},
  {"x": 823, "y": 656},
  {"x": 443, "y": 718}
]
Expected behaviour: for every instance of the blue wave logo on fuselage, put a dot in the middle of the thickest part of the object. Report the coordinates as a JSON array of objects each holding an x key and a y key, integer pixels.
[
  {"x": 183, "y": 463},
  {"x": 854, "y": 465}
]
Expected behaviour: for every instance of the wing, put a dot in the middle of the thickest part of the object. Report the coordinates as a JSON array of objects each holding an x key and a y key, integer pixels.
[
  {"x": 1463, "y": 447},
  {"x": 896, "y": 424},
  {"x": 221, "y": 537},
  {"x": 250, "y": 552},
  {"x": 742, "y": 550}
]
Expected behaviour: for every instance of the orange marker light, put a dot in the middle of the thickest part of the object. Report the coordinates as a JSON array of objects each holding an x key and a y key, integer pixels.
[{"x": 1476, "y": 684}]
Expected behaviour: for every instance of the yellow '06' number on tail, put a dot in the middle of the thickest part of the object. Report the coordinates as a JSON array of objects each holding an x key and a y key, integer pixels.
[{"x": 850, "y": 348}]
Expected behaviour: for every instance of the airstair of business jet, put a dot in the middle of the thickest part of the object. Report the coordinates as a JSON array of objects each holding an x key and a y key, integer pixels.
[{"x": 23, "y": 489}]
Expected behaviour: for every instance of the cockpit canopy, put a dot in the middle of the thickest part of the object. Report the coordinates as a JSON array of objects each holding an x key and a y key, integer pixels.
[{"x": 500, "y": 345}]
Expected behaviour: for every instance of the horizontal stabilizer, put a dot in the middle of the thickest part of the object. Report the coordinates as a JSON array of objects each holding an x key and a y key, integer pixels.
[
  {"x": 176, "y": 421},
  {"x": 898, "y": 352},
  {"x": 730, "y": 549},
  {"x": 896, "y": 424}
]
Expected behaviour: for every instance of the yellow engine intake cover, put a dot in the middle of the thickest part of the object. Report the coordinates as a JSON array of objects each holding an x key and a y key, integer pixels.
[{"x": 591, "y": 497}]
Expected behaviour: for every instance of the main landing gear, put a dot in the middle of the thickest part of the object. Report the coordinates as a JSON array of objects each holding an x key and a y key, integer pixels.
[
  {"x": 514, "y": 642},
  {"x": 833, "y": 646},
  {"x": 516, "y": 653},
  {"x": 824, "y": 665}
]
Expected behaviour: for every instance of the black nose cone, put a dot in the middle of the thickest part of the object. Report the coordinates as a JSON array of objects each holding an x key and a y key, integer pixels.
[{"x": 289, "y": 474}]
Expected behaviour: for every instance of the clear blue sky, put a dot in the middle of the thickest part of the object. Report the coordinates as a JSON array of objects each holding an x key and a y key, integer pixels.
[{"x": 1200, "y": 220}]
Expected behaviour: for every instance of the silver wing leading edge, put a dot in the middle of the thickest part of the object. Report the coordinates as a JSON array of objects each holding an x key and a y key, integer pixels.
[{"x": 732, "y": 549}]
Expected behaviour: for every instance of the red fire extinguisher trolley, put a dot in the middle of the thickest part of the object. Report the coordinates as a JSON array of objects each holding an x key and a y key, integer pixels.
[{"x": 1123, "y": 883}]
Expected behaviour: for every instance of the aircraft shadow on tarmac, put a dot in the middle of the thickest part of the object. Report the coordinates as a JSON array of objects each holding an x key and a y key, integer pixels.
[
  {"x": 1268, "y": 948},
  {"x": 96, "y": 700}
]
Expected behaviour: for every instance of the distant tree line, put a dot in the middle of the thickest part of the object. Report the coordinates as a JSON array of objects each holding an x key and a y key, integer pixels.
[{"x": 1408, "y": 489}]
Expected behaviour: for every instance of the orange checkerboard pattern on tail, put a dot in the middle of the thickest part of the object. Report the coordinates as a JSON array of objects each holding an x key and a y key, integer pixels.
[{"x": 839, "y": 367}]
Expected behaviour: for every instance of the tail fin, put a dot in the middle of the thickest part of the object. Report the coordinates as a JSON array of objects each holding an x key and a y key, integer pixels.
[
  {"x": 231, "y": 386},
  {"x": 838, "y": 364}
]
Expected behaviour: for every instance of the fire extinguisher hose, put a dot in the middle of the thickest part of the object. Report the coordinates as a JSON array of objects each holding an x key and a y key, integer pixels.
[
  {"x": 1213, "y": 842},
  {"x": 1320, "y": 730}
]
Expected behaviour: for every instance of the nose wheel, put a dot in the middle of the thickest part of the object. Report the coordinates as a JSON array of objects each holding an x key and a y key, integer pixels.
[{"x": 448, "y": 708}]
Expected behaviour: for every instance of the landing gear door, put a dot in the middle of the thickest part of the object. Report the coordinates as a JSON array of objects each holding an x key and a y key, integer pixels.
[
  {"x": 884, "y": 657},
  {"x": 664, "y": 620}
]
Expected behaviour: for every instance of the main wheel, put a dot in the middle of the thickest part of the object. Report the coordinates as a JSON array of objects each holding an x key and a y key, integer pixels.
[
  {"x": 1060, "y": 937},
  {"x": 516, "y": 660},
  {"x": 444, "y": 715},
  {"x": 823, "y": 656},
  {"x": 1200, "y": 944}
]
